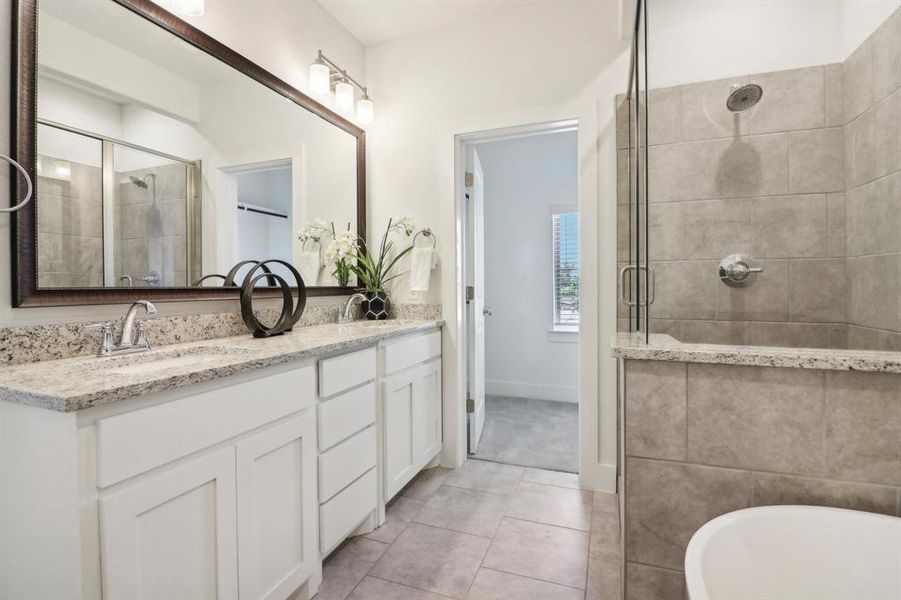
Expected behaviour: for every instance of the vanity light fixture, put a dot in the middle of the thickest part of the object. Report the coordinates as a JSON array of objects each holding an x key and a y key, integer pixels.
[
  {"x": 344, "y": 97},
  {"x": 327, "y": 76},
  {"x": 190, "y": 8},
  {"x": 365, "y": 109}
]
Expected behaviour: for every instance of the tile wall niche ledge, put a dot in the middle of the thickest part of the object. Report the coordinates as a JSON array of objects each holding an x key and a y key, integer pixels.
[
  {"x": 666, "y": 348},
  {"x": 33, "y": 343}
]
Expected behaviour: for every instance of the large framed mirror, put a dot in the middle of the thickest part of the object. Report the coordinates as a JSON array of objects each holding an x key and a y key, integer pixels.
[{"x": 162, "y": 158}]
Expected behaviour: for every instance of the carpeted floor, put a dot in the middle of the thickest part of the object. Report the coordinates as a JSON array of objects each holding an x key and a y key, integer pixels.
[{"x": 531, "y": 433}]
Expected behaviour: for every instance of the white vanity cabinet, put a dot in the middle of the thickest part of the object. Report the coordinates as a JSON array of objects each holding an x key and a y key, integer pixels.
[
  {"x": 411, "y": 407},
  {"x": 348, "y": 459},
  {"x": 233, "y": 488},
  {"x": 212, "y": 495}
]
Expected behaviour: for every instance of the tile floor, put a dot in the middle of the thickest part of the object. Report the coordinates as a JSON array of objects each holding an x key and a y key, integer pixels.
[
  {"x": 531, "y": 433},
  {"x": 485, "y": 531}
]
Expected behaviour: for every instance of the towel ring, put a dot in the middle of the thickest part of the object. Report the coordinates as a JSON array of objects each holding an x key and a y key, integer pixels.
[
  {"x": 21, "y": 204},
  {"x": 427, "y": 233}
]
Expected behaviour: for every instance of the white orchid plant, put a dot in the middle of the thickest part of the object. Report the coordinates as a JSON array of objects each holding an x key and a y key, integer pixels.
[{"x": 340, "y": 252}]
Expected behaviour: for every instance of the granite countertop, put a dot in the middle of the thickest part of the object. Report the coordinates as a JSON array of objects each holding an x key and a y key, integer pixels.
[
  {"x": 77, "y": 383},
  {"x": 667, "y": 348}
]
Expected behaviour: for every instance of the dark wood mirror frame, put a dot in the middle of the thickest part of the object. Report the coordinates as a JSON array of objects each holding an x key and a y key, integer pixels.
[{"x": 25, "y": 291}]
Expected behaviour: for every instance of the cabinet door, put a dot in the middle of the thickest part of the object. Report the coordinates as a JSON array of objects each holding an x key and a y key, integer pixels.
[
  {"x": 277, "y": 509},
  {"x": 173, "y": 535},
  {"x": 398, "y": 397},
  {"x": 427, "y": 413}
]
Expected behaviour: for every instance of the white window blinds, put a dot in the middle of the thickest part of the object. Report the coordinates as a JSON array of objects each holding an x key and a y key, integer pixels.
[{"x": 566, "y": 269}]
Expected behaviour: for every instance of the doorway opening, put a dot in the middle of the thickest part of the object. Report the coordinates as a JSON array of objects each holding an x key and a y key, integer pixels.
[{"x": 521, "y": 294}]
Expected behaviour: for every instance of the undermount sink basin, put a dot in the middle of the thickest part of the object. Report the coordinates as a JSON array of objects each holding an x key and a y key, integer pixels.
[{"x": 149, "y": 362}]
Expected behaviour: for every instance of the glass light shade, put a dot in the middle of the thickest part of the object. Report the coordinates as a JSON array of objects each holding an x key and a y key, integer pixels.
[
  {"x": 365, "y": 111},
  {"x": 319, "y": 79},
  {"x": 190, "y": 8},
  {"x": 344, "y": 98}
]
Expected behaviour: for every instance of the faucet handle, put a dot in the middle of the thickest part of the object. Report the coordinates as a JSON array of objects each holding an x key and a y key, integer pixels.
[
  {"x": 142, "y": 340},
  {"x": 106, "y": 344}
]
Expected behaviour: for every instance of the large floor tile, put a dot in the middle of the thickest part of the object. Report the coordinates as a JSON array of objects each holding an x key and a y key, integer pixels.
[
  {"x": 467, "y": 511},
  {"x": 347, "y": 566},
  {"x": 495, "y": 585},
  {"x": 400, "y": 512},
  {"x": 486, "y": 477},
  {"x": 545, "y": 552},
  {"x": 558, "y": 478},
  {"x": 551, "y": 505},
  {"x": 379, "y": 589},
  {"x": 437, "y": 560},
  {"x": 426, "y": 483}
]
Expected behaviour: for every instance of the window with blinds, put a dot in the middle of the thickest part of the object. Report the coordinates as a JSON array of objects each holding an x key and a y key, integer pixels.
[{"x": 566, "y": 270}]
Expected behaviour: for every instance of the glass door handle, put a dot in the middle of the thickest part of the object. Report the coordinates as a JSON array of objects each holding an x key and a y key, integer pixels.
[{"x": 650, "y": 280}]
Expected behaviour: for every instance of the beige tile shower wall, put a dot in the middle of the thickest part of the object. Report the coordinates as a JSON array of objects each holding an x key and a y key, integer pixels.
[
  {"x": 702, "y": 440},
  {"x": 767, "y": 182},
  {"x": 872, "y": 113},
  {"x": 70, "y": 225},
  {"x": 808, "y": 183}
]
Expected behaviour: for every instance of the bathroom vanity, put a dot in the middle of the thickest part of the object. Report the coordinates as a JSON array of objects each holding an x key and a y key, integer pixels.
[{"x": 219, "y": 469}]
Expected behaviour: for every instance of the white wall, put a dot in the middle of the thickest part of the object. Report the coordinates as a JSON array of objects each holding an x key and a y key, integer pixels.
[
  {"x": 525, "y": 180},
  {"x": 282, "y": 36},
  {"x": 544, "y": 62},
  {"x": 700, "y": 40}
]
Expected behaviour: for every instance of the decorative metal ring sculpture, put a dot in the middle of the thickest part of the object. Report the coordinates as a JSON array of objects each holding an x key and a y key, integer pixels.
[{"x": 291, "y": 313}]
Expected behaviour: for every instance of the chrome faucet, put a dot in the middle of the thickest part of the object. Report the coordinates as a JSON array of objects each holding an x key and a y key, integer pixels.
[
  {"x": 346, "y": 315},
  {"x": 128, "y": 341}
]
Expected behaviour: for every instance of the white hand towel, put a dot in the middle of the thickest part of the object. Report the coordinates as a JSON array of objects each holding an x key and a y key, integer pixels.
[
  {"x": 309, "y": 266},
  {"x": 420, "y": 269}
]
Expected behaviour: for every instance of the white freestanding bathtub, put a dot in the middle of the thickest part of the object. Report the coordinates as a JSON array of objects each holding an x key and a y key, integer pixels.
[{"x": 795, "y": 553}]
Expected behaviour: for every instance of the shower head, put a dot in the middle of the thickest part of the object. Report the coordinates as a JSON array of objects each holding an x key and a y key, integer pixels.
[
  {"x": 742, "y": 97},
  {"x": 139, "y": 182}
]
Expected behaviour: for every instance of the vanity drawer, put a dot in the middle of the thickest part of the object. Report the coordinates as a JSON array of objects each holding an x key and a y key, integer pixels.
[
  {"x": 135, "y": 442},
  {"x": 345, "y": 462},
  {"x": 347, "y": 371},
  {"x": 344, "y": 415},
  {"x": 340, "y": 515},
  {"x": 410, "y": 351}
]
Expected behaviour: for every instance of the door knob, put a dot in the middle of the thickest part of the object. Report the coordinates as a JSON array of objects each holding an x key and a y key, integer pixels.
[{"x": 487, "y": 311}]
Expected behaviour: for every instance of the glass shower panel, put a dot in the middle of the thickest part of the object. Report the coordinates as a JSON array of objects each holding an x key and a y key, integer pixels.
[
  {"x": 69, "y": 209},
  {"x": 149, "y": 233},
  {"x": 636, "y": 281}
]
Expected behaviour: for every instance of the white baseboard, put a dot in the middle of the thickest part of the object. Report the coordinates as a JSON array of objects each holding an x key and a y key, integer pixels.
[{"x": 536, "y": 391}]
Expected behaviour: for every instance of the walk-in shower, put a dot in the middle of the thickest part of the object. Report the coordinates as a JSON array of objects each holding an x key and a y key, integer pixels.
[{"x": 802, "y": 183}]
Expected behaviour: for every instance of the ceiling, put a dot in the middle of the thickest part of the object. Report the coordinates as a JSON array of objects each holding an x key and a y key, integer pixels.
[{"x": 375, "y": 21}]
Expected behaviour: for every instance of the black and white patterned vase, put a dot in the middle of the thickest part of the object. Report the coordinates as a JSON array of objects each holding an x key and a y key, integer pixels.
[{"x": 376, "y": 306}]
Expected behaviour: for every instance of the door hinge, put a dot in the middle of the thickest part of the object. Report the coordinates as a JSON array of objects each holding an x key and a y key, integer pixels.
[
  {"x": 470, "y": 405},
  {"x": 468, "y": 179},
  {"x": 470, "y": 293}
]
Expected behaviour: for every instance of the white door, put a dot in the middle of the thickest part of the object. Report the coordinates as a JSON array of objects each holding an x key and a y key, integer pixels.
[
  {"x": 277, "y": 509},
  {"x": 399, "y": 393},
  {"x": 427, "y": 412},
  {"x": 173, "y": 535},
  {"x": 476, "y": 303}
]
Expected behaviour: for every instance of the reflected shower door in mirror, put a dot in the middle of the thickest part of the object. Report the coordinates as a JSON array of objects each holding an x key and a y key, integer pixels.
[{"x": 161, "y": 166}]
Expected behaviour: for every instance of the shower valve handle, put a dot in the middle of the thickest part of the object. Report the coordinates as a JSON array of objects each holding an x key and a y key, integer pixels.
[{"x": 735, "y": 270}]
